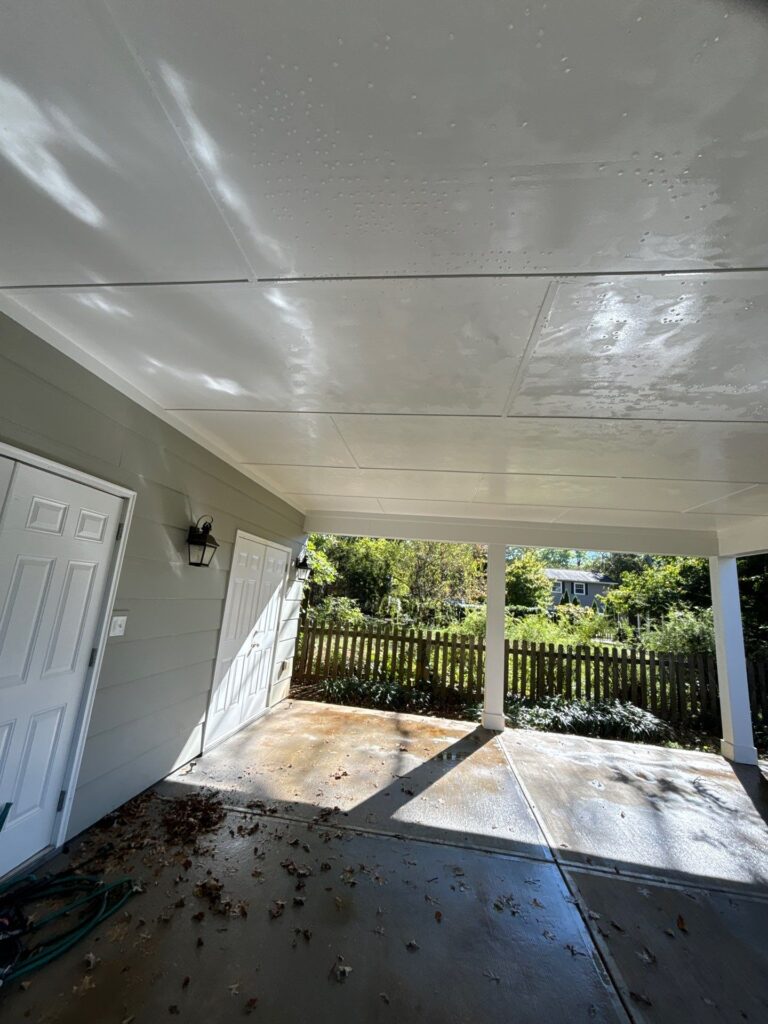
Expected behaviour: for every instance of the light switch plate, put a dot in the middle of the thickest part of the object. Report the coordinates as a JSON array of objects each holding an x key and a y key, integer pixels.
[{"x": 117, "y": 625}]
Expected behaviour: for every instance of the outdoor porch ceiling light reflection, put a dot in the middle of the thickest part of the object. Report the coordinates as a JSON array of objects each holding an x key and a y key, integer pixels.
[{"x": 201, "y": 542}]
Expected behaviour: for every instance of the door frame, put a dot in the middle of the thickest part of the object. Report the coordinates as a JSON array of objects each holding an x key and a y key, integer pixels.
[
  {"x": 245, "y": 535},
  {"x": 100, "y": 636}
]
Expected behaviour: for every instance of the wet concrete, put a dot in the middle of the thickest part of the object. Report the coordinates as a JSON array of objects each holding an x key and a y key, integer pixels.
[
  {"x": 397, "y": 774},
  {"x": 443, "y": 898},
  {"x": 648, "y": 810},
  {"x": 681, "y": 954}
]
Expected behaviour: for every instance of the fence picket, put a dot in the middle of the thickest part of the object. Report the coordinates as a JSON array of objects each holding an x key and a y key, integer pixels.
[{"x": 673, "y": 686}]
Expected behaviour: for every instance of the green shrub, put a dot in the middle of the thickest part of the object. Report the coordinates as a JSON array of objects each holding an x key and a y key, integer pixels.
[
  {"x": 682, "y": 630},
  {"x": 337, "y": 611},
  {"x": 607, "y": 719},
  {"x": 384, "y": 694}
]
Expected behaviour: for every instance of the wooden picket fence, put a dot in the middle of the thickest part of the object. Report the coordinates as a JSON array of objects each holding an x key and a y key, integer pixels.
[{"x": 676, "y": 687}]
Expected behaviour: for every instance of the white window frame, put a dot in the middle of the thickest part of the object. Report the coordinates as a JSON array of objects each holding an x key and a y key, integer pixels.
[
  {"x": 580, "y": 592},
  {"x": 557, "y": 587}
]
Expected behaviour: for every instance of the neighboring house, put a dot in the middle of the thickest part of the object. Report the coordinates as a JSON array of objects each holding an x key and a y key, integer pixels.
[{"x": 581, "y": 586}]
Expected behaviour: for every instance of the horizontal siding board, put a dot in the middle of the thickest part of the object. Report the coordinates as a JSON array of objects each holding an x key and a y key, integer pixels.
[
  {"x": 138, "y": 659},
  {"x": 32, "y": 440},
  {"x": 152, "y": 618},
  {"x": 162, "y": 542},
  {"x": 170, "y": 581},
  {"x": 241, "y": 496},
  {"x": 58, "y": 415},
  {"x": 104, "y": 793},
  {"x": 126, "y": 741},
  {"x": 150, "y": 695},
  {"x": 41, "y": 360},
  {"x": 153, "y": 690}
]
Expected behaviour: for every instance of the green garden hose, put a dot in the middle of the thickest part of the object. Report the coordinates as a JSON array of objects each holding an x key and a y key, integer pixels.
[{"x": 21, "y": 948}]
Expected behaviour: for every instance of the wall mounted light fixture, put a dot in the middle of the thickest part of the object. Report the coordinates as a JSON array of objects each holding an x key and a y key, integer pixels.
[
  {"x": 303, "y": 568},
  {"x": 201, "y": 542}
]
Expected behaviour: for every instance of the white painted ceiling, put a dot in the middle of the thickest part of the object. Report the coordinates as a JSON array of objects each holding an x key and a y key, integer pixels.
[{"x": 484, "y": 261}]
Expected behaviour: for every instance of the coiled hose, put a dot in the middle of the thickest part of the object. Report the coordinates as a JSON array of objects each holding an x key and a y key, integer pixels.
[{"x": 23, "y": 946}]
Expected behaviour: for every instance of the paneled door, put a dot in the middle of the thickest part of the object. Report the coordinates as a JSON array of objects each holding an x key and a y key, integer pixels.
[
  {"x": 57, "y": 540},
  {"x": 245, "y": 661}
]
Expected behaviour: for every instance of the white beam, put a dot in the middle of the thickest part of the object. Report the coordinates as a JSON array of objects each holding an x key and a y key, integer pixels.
[
  {"x": 748, "y": 538},
  {"x": 493, "y": 698},
  {"x": 737, "y": 742},
  {"x": 643, "y": 540}
]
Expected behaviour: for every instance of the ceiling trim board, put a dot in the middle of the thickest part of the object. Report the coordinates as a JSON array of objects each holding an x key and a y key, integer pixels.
[
  {"x": 699, "y": 543},
  {"x": 744, "y": 539}
]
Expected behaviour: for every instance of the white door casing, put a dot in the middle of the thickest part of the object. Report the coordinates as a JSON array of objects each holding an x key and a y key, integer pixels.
[
  {"x": 245, "y": 659},
  {"x": 57, "y": 547}
]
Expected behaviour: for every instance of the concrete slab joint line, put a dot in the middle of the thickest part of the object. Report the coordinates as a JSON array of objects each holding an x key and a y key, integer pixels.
[{"x": 610, "y": 971}]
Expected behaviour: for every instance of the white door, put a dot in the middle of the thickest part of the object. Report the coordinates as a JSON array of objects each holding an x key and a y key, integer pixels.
[
  {"x": 245, "y": 661},
  {"x": 263, "y": 637},
  {"x": 57, "y": 541}
]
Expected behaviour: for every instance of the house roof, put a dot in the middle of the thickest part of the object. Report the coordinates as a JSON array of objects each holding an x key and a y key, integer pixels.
[{"x": 579, "y": 576}]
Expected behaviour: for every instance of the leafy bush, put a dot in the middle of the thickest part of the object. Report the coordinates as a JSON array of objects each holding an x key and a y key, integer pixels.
[
  {"x": 384, "y": 694},
  {"x": 607, "y": 719},
  {"x": 682, "y": 630},
  {"x": 337, "y": 611},
  {"x": 473, "y": 624}
]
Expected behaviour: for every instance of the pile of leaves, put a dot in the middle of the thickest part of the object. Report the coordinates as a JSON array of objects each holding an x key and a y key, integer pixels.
[
  {"x": 606, "y": 719},
  {"x": 189, "y": 817}
]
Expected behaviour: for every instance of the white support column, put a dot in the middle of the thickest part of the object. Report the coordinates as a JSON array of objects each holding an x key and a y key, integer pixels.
[
  {"x": 496, "y": 599},
  {"x": 738, "y": 742}
]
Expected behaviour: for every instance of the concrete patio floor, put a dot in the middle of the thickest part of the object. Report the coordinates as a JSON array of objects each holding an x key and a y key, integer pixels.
[{"x": 461, "y": 875}]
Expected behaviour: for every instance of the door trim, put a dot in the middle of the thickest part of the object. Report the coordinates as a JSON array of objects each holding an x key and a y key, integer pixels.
[
  {"x": 99, "y": 639},
  {"x": 245, "y": 535}
]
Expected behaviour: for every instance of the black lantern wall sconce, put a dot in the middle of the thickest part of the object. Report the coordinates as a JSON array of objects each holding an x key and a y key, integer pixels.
[
  {"x": 303, "y": 567},
  {"x": 201, "y": 542}
]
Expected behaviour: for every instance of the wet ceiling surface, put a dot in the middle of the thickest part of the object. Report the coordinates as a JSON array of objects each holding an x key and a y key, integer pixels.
[
  {"x": 349, "y": 857},
  {"x": 348, "y": 246}
]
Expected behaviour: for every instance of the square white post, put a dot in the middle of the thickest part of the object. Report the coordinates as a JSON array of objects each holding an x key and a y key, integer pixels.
[
  {"x": 738, "y": 742},
  {"x": 496, "y": 600}
]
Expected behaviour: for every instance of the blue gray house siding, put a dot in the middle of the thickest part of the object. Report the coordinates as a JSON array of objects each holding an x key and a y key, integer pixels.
[{"x": 572, "y": 581}]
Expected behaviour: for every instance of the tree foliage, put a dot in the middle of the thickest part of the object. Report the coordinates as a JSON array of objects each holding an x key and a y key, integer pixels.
[
  {"x": 528, "y": 585},
  {"x": 431, "y": 583},
  {"x": 387, "y": 577}
]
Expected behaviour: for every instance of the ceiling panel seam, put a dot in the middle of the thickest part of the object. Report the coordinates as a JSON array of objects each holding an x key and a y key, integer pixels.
[
  {"x": 476, "y": 415},
  {"x": 93, "y": 285},
  {"x": 561, "y": 275},
  {"x": 724, "y": 497},
  {"x": 344, "y": 442},
  {"x": 544, "y": 311},
  {"x": 490, "y": 472},
  {"x": 147, "y": 76}
]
